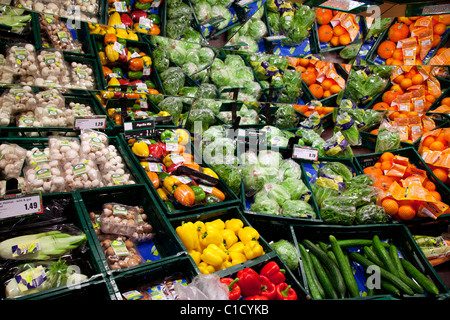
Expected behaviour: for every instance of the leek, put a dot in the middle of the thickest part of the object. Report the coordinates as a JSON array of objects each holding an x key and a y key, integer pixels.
[{"x": 48, "y": 245}]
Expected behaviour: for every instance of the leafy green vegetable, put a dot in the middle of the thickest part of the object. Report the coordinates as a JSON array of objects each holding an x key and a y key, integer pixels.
[
  {"x": 298, "y": 209},
  {"x": 371, "y": 214},
  {"x": 231, "y": 176},
  {"x": 348, "y": 127},
  {"x": 297, "y": 189},
  {"x": 254, "y": 177},
  {"x": 265, "y": 205},
  {"x": 287, "y": 252},
  {"x": 387, "y": 140}
]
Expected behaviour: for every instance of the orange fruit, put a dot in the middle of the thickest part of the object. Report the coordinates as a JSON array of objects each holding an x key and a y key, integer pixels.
[
  {"x": 374, "y": 131},
  {"x": 398, "y": 31},
  {"x": 387, "y": 156},
  {"x": 406, "y": 212},
  {"x": 436, "y": 40},
  {"x": 444, "y": 18},
  {"x": 301, "y": 108},
  {"x": 417, "y": 79},
  {"x": 430, "y": 98},
  {"x": 324, "y": 16},
  {"x": 397, "y": 88},
  {"x": 327, "y": 93},
  {"x": 398, "y": 54},
  {"x": 390, "y": 206},
  {"x": 335, "y": 88},
  {"x": 386, "y": 165},
  {"x": 389, "y": 61},
  {"x": 436, "y": 195},
  {"x": 404, "y": 20},
  {"x": 446, "y": 101},
  {"x": 410, "y": 74},
  {"x": 316, "y": 90},
  {"x": 429, "y": 185},
  {"x": 386, "y": 49},
  {"x": 309, "y": 77},
  {"x": 339, "y": 30},
  {"x": 327, "y": 110},
  {"x": 406, "y": 83},
  {"x": 374, "y": 171},
  {"x": 388, "y": 97},
  {"x": 427, "y": 141},
  {"x": 399, "y": 78},
  {"x": 344, "y": 39},
  {"x": 439, "y": 28},
  {"x": 437, "y": 146},
  {"x": 325, "y": 33},
  {"x": 334, "y": 41},
  {"x": 441, "y": 174},
  {"x": 303, "y": 62},
  {"x": 380, "y": 106},
  {"x": 327, "y": 83},
  {"x": 394, "y": 115}
]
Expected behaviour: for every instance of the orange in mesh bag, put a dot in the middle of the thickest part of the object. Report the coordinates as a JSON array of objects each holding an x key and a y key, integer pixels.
[{"x": 430, "y": 154}]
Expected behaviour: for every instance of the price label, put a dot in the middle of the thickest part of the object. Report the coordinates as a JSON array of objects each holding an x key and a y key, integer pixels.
[
  {"x": 20, "y": 205},
  {"x": 276, "y": 38},
  {"x": 305, "y": 153},
  {"x": 120, "y": 6},
  {"x": 89, "y": 122}
]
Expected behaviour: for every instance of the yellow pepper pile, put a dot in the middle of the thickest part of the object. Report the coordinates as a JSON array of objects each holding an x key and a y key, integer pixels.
[{"x": 216, "y": 245}]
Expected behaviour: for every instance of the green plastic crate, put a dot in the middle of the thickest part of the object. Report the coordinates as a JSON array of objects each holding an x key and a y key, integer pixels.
[
  {"x": 230, "y": 198},
  {"x": 94, "y": 286},
  {"x": 367, "y": 160},
  {"x": 149, "y": 276},
  {"x": 230, "y": 212},
  {"x": 163, "y": 246},
  {"x": 398, "y": 235}
]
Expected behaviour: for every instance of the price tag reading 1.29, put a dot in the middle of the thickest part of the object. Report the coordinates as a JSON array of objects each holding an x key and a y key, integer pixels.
[
  {"x": 90, "y": 122},
  {"x": 20, "y": 205},
  {"x": 305, "y": 153}
]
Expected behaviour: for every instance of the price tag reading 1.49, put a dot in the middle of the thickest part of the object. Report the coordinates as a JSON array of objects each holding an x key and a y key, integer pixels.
[
  {"x": 305, "y": 153},
  {"x": 20, "y": 205}
]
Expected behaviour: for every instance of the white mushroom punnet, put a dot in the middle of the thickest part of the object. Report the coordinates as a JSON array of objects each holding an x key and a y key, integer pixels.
[
  {"x": 83, "y": 175},
  {"x": 82, "y": 76},
  {"x": 12, "y": 159},
  {"x": 20, "y": 61},
  {"x": 53, "y": 68},
  {"x": 19, "y": 99}
]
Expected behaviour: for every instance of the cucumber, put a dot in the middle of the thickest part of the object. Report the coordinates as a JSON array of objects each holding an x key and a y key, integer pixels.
[
  {"x": 381, "y": 252},
  {"x": 323, "y": 278},
  {"x": 330, "y": 265},
  {"x": 348, "y": 243},
  {"x": 401, "y": 271},
  {"x": 315, "y": 293},
  {"x": 422, "y": 279},
  {"x": 383, "y": 273},
  {"x": 373, "y": 257},
  {"x": 325, "y": 248},
  {"x": 345, "y": 267},
  {"x": 389, "y": 287}
]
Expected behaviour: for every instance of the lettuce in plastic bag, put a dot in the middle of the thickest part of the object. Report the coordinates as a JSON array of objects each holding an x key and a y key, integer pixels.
[
  {"x": 338, "y": 210},
  {"x": 371, "y": 214},
  {"x": 387, "y": 140},
  {"x": 289, "y": 169},
  {"x": 254, "y": 177},
  {"x": 265, "y": 205},
  {"x": 270, "y": 158},
  {"x": 276, "y": 192},
  {"x": 298, "y": 209},
  {"x": 297, "y": 189}
]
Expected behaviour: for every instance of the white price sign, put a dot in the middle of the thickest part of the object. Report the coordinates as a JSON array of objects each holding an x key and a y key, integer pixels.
[
  {"x": 20, "y": 205},
  {"x": 90, "y": 122},
  {"x": 305, "y": 153}
]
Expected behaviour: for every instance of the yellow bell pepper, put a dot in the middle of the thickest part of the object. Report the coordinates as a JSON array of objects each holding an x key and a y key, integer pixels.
[
  {"x": 253, "y": 249},
  {"x": 103, "y": 59},
  {"x": 144, "y": 164},
  {"x": 226, "y": 264},
  {"x": 188, "y": 235},
  {"x": 200, "y": 227},
  {"x": 137, "y": 27},
  {"x": 147, "y": 61},
  {"x": 218, "y": 224},
  {"x": 183, "y": 136},
  {"x": 234, "y": 224},
  {"x": 214, "y": 255},
  {"x": 163, "y": 114},
  {"x": 170, "y": 182},
  {"x": 229, "y": 237},
  {"x": 107, "y": 95},
  {"x": 113, "y": 82},
  {"x": 210, "y": 173},
  {"x": 110, "y": 30},
  {"x": 132, "y": 35},
  {"x": 196, "y": 256},
  {"x": 111, "y": 54},
  {"x": 114, "y": 20},
  {"x": 236, "y": 258},
  {"x": 162, "y": 194},
  {"x": 237, "y": 247},
  {"x": 211, "y": 236},
  {"x": 140, "y": 149},
  {"x": 121, "y": 33},
  {"x": 247, "y": 234},
  {"x": 206, "y": 268}
]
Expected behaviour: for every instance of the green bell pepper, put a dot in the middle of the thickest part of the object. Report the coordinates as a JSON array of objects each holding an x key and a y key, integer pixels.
[
  {"x": 163, "y": 175},
  {"x": 170, "y": 206},
  {"x": 118, "y": 71},
  {"x": 142, "y": 6},
  {"x": 199, "y": 193},
  {"x": 167, "y": 134},
  {"x": 122, "y": 41},
  {"x": 135, "y": 75},
  {"x": 150, "y": 84}
]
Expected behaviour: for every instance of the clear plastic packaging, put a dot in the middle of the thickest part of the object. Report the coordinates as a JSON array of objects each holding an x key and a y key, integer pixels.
[
  {"x": 58, "y": 34},
  {"x": 82, "y": 174},
  {"x": 21, "y": 60},
  {"x": 51, "y": 96},
  {"x": 114, "y": 171},
  {"x": 19, "y": 99},
  {"x": 51, "y": 116},
  {"x": 120, "y": 252},
  {"x": 119, "y": 219},
  {"x": 82, "y": 76},
  {"x": 6, "y": 73},
  {"x": 64, "y": 149},
  {"x": 53, "y": 69},
  {"x": 94, "y": 146},
  {"x": 44, "y": 177},
  {"x": 27, "y": 119},
  {"x": 12, "y": 159},
  {"x": 45, "y": 6}
]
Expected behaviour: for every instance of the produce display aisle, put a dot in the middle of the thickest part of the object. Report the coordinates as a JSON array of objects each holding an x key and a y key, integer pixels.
[{"x": 223, "y": 150}]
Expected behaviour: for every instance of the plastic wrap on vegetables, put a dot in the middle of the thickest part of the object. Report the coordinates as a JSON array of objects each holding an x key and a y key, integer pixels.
[
  {"x": 371, "y": 214},
  {"x": 387, "y": 140},
  {"x": 338, "y": 210},
  {"x": 338, "y": 147},
  {"x": 254, "y": 177},
  {"x": 347, "y": 126},
  {"x": 313, "y": 122},
  {"x": 264, "y": 204},
  {"x": 285, "y": 116},
  {"x": 298, "y": 209},
  {"x": 297, "y": 189}
]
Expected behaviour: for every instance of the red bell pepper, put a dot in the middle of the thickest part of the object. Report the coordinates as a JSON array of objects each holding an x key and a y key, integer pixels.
[
  {"x": 285, "y": 292},
  {"x": 249, "y": 282},
  {"x": 155, "y": 150},
  {"x": 256, "y": 297},
  {"x": 136, "y": 15},
  {"x": 126, "y": 20},
  {"x": 268, "y": 288},
  {"x": 273, "y": 272},
  {"x": 235, "y": 290},
  {"x": 163, "y": 147}
]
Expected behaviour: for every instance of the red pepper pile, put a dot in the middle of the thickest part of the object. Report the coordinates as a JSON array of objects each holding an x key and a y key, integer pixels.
[{"x": 268, "y": 284}]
